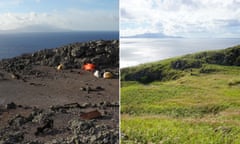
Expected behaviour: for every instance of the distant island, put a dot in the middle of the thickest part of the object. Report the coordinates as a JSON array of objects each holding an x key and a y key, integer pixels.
[
  {"x": 151, "y": 35},
  {"x": 36, "y": 28}
]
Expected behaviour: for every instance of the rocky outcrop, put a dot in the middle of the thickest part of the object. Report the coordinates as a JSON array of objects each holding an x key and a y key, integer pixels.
[
  {"x": 144, "y": 76},
  {"x": 185, "y": 64},
  {"x": 60, "y": 124},
  {"x": 229, "y": 56},
  {"x": 103, "y": 53}
]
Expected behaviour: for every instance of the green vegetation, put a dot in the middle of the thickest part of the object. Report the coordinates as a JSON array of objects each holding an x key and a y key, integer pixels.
[
  {"x": 189, "y": 99},
  {"x": 169, "y": 69}
]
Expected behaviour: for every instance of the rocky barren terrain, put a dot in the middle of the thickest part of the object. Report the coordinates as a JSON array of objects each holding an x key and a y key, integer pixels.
[{"x": 40, "y": 104}]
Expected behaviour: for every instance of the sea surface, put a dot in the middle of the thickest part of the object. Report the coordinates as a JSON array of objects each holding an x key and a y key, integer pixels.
[
  {"x": 135, "y": 51},
  {"x": 14, "y": 44}
]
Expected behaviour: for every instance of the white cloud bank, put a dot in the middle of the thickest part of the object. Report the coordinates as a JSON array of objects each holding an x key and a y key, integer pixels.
[
  {"x": 20, "y": 14},
  {"x": 71, "y": 19},
  {"x": 189, "y": 18}
]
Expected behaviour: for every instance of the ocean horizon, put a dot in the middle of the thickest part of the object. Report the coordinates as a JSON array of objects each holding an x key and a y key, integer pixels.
[
  {"x": 135, "y": 51},
  {"x": 15, "y": 44}
]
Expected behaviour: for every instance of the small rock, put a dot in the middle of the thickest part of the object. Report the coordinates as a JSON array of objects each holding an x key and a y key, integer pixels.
[
  {"x": 47, "y": 125},
  {"x": 104, "y": 104},
  {"x": 15, "y": 76},
  {"x": 85, "y": 105},
  {"x": 15, "y": 137},
  {"x": 82, "y": 88},
  {"x": 11, "y": 105},
  {"x": 99, "y": 88},
  {"x": 93, "y": 139},
  {"x": 88, "y": 89},
  {"x": 18, "y": 121},
  {"x": 79, "y": 126}
]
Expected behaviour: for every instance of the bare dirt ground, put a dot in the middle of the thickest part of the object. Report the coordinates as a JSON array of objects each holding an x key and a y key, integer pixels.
[{"x": 62, "y": 97}]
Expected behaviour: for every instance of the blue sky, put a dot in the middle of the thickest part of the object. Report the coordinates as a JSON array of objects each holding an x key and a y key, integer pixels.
[
  {"x": 187, "y": 18},
  {"x": 56, "y": 15}
]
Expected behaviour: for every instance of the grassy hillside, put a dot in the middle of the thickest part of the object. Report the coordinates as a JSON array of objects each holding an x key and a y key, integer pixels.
[
  {"x": 184, "y": 100},
  {"x": 174, "y": 68}
]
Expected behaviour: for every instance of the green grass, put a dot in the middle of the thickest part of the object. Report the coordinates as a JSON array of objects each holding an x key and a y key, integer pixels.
[
  {"x": 200, "y": 106},
  {"x": 157, "y": 129}
]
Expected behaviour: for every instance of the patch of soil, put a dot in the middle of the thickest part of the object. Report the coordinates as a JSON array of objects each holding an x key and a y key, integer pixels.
[{"x": 49, "y": 104}]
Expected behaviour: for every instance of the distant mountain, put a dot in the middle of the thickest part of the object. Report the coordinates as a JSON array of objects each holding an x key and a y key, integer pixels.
[
  {"x": 35, "y": 28},
  {"x": 151, "y": 35}
]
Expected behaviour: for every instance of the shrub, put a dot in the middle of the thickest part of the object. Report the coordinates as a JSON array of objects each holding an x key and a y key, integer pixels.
[{"x": 185, "y": 64}]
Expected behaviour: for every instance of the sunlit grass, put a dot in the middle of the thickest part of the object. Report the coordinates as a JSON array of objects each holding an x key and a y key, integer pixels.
[
  {"x": 157, "y": 129},
  {"x": 197, "y": 108}
]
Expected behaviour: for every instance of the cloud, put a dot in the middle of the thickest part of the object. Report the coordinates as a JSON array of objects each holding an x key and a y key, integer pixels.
[
  {"x": 7, "y": 3},
  {"x": 179, "y": 17},
  {"x": 71, "y": 19},
  {"x": 68, "y": 15},
  {"x": 125, "y": 14}
]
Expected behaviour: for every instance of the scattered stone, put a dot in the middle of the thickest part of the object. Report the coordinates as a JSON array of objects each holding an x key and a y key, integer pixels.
[
  {"x": 88, "y": 132},
  {"x": 83, "y": 130},
  {"x": 114, "y": 104},
  {"x": 17, "y": 121},
  {"x": 68, "y": 106},
  {"x": 104, "y": 104},
  {"x": 36, "y": 84},
  {"x": 48, "y": 122},
  {"x": 82, "y": 88},
  {"x": 79, "y": 126},
  {"x": 47, "y": 125},
  {"x": 85, "y": 105},
  {"x": 11, "y": 105},
  {"x": 12, "y": 138},
  {"x": 34, "y": 142},
  {"x": 15, "y": 76},
  {"x": 101, "y": 53},
  {"x": 71, "y": 105},
  {"x": 99, "y": 88},
  {"x": 88, "y": 89}
]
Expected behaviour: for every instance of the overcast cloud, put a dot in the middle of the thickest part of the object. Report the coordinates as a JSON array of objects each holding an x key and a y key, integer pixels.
[{"x": 189, "y": 18}]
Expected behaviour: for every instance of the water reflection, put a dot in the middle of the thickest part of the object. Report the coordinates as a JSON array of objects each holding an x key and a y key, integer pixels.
[{"x": 137, "y": 51}]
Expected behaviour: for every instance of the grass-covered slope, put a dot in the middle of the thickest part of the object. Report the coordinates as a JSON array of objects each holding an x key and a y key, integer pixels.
[
  {"x": 189, "y": 99},
  {"x": 169, "y": 69}
]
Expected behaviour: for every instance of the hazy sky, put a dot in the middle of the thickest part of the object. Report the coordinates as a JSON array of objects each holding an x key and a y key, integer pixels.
[
  {"x": 59, "y": 14},
  {"x": 189, "y": 18}
]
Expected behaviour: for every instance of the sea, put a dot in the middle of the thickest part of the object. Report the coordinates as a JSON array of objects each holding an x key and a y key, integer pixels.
[
  {"x": 15, "y": 44},
  {"x": 135, "y": 51}
]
